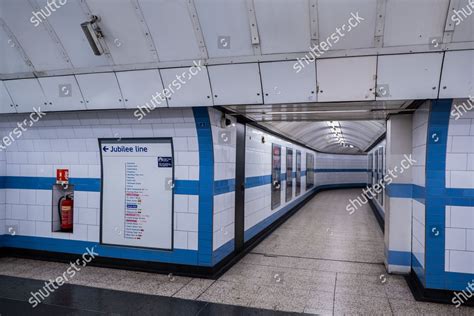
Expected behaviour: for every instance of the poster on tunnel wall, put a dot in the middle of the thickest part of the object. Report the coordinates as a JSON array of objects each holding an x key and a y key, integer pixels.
[{"x": 137, "y": 192}]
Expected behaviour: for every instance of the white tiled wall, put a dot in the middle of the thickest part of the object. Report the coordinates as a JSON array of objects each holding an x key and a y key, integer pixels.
[
  {"x": 224, "y": 143},
  {"x": 333, "y": 161},
  {"x": 420, "y": 129},
  {"x": 69, "y": 140},
  {"x": 419, "y": 134},
  {"x": 460, "y": 151},
  {"x": 418, "y": 238},
  {"x": 258, "y": 162},
  {"x": 459, "y": 241}
]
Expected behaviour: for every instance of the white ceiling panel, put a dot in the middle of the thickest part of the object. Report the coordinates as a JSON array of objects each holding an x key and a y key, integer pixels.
[
  {"x": 122, "y": 31},
  {"x": 195, "y": 91},
  {"x": 410, "y": 22},
  {"x": 226, "y": 27},
  {"x": 457, "y": 80},
  {"x": 138, "y": 87},
  {"x": 334, "y": 14},
  {"x": 35, "y": 40},
  {"x": 63, "y": 92},
  {"x": 171, "y": 28},
  {"x": 409, "y": 76},
  {"x": 100, "y": 91},
  {"x": 27, "y": 95},
  {"x": 283, "y": 26},
  {"x": 67, "y": 25},
  {"x": 236, "y": 84},
  {"x": 6, "y": 103},
  {"x": 463, "y": 24},
  {"x": 346, "y": 79},
  {"x": 11, "y": 60},
  {"x": 282, "y": 83}
]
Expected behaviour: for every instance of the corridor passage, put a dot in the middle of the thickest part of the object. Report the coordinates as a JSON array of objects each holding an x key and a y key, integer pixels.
[{"x": 322, "y": 260}]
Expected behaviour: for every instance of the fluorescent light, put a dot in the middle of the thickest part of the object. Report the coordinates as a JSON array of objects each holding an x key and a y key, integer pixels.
[{"x": 319, "y": 112}]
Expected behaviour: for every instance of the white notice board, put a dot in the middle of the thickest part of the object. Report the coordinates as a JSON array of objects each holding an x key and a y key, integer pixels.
[{"x": 137, "y": 194}]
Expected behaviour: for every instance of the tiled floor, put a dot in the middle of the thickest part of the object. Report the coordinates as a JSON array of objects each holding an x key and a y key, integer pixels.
[{"x": 322, "y": 260}]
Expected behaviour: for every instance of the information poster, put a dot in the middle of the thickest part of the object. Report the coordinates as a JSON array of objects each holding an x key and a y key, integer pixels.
[{"x": 137, "y": 195}]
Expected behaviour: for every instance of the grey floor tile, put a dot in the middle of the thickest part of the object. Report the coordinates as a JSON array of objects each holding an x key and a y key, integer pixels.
[{"x": 361, "y": 305}]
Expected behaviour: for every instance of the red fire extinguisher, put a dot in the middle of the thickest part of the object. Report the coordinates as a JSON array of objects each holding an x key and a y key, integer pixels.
[{"x": 65, "y": 209}]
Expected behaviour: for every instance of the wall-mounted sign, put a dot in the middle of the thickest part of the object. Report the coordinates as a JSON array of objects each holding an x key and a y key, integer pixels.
[
  {"x": 137, "y": 200},
  {"x": 62, "y": 176}
]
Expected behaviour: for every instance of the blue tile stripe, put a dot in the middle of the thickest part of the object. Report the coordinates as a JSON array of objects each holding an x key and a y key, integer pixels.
[
  {"x": 223, "y": 251},
  {"x": 206, "y": 185},
  {"x": 405, "y": 190},
  {"x": 178, "y": 256},
  {"x": 399, "y": 258},
  {"x": 45, "y": 183},
  {"x": 437, "y": 139},
  {"x": 251, "y": 182},
  {"x": 224, "y": 186}
]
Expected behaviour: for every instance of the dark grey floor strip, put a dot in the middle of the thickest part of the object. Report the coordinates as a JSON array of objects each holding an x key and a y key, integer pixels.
[{"x": 82, "y": 300}]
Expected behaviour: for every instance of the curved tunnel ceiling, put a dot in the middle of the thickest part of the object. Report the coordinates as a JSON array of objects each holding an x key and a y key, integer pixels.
[{"x": 357, "y": 135}]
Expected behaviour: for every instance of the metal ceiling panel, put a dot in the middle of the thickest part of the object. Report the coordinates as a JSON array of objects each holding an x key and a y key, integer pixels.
[
  {"x": 196, "y": 91},
  {"x": 11, "y": 60},
  {"x": 333, "y": 14},
  {"x": 283, "y": 26},
  {"x": 282, "y": 83},
  {"x": 226, "y": 27},
  {"x": 457, "y": 80},
  {"x": 27, "y": 95},
  {"x": 236, "y": 84},
  {"x": 346, "y": 79},
  {"x": 67, "y": 26},
  {"x": 410, "y": 22},
  {"x": 138, "y": 87},
  {"x": 171, "y": 28},
  {"x": 125, "y": 37},
  {"x": 100, "y": 91},
  {"x": 6, "y": 103},
  {"x": 37, "y": 43},
  {"x": 63, "y": 92},
  {"x": 408, "y": 76}
]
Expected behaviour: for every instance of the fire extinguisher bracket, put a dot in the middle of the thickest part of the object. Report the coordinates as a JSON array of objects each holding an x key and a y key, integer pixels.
[{"x": 62, "y": 208}]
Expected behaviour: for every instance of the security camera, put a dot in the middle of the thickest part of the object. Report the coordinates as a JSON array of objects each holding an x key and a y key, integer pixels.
[
  {"x": 226, "y": 122},
  {"x": 93, "y": 34}
]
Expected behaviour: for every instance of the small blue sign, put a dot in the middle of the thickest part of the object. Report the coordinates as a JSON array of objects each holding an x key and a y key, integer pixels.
[{"x": 165, "y": 162}]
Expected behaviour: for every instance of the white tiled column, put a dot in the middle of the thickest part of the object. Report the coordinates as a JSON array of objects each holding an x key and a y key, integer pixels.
[{"x": 398, "y": 211}]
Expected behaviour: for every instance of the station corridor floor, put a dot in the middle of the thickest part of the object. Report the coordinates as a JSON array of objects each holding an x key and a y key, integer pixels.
[{"x": 322, "y": 260}]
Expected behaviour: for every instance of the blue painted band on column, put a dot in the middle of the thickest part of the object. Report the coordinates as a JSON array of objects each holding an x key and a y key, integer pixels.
[
  {"x": 206, "y": 184},
  {"x": 399, "y": 258}
]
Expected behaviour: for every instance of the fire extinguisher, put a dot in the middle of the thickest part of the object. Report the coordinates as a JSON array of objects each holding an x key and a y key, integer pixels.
[{"x": 65, "y": 209}]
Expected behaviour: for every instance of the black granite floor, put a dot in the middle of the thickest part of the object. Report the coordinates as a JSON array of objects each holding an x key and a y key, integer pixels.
[{"x": 81, "y": 300}]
